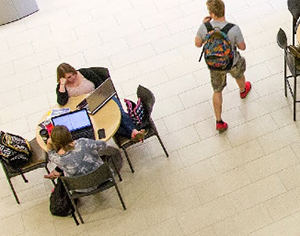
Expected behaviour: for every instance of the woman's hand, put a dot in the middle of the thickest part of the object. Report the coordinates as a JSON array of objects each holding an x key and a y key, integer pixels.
[
  {"x": 62, "y": 84},
  {"x": 52, "y": 175},
  {"x": 62, "y": 81}
]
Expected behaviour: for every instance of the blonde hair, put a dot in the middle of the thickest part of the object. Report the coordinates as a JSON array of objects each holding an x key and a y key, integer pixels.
[
  {"x": 216, "y": 7},
  {"x": 61, "y": 138},
  {"x": 63, "y": 69}
]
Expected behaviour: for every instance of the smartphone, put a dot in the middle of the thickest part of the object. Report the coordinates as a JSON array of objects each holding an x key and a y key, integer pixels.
[{"x": 101, "y": 133}]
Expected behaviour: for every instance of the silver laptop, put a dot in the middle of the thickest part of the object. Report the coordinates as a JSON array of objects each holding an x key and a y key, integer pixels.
[
  {"x": 78, "y": 122},
  {"x": 99, "y": 97}
]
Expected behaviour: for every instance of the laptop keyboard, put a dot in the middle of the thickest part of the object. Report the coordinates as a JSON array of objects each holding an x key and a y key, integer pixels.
[{"x": 84, "y": 133}]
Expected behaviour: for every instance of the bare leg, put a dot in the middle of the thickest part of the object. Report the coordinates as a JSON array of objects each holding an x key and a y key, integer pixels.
[
  {"x": 217, "y": 103},
  {"x": 241, "y": 83}
]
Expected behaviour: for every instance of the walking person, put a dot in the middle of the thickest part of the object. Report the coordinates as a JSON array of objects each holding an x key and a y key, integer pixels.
[{"x": 237, "y": 65}]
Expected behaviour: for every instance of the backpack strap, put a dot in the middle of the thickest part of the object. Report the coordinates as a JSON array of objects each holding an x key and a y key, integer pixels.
[
  {"x": 227, "y": 27},
  {"x": 208, "y": 26}
]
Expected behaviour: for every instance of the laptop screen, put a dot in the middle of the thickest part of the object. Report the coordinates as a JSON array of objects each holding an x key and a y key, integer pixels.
[
  {"x": 74, "y": 120},
  {"x": 100, "y": 96}
]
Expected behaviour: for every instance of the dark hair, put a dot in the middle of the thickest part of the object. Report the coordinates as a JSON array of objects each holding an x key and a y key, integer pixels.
[
  {"x": 61, "y": 138},
  {"x": 63, "y": 69},
  {"x": 216, "y": 7}
]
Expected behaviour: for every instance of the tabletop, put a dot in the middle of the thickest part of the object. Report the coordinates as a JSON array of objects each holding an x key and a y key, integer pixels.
[
  {"x": 107, "y": 118},
  {"x": 298, "y": 34}
]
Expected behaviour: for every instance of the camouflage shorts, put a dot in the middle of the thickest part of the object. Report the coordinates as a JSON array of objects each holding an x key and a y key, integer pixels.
[{"x": 218, "y": 78}]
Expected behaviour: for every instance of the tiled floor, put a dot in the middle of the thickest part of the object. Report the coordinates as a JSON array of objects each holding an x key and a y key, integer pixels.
[{"x": 245, "y": 181}]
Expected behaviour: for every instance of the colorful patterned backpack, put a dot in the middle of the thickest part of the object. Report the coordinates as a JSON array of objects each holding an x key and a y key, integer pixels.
[
  {"x": 218, "y": 53},
  {"x": 135, "y": 111}
]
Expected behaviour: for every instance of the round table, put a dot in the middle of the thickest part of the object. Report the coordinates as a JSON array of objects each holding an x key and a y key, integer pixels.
[
  {"x": 298, "y": 34},
  {"x": 108, "y": 117}
]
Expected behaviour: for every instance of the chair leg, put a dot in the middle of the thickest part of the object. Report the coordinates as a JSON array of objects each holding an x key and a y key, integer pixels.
[
  {"x": 120, "y": 196},
  {"x": 163, "y": 146},
  {"x": 295, "y": 97},
  {"x": 13, "y": 190},
  {"x": 76, "y": 210},
  {"x": 10, "y": 184},
  {"x": 294, "y": 31},
  {"x": 285, "y": 77},
  {"x": 116, "y": 170},
  {"x": 128, "y": 160},
  {"x": 74, "y": 217},
  {"x": 24, "y": 178}
]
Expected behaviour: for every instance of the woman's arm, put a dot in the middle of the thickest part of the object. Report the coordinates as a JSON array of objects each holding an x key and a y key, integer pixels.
[{"x": 62, "y": 97}]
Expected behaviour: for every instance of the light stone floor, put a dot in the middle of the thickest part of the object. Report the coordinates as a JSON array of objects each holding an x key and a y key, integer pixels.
[{"x": 245, "y": 181}]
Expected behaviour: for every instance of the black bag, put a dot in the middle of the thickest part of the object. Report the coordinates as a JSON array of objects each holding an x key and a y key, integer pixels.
[
  {"x": 14, "y": 150},
  {"x": 60, "y": 203}
]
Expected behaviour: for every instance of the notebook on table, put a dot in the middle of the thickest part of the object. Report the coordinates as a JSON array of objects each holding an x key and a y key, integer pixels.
[
  {"x": 99, "y": 97},
  {"x": 78, "y": 122}
]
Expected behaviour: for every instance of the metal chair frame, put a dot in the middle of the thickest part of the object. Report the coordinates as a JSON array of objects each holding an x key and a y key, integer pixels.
[
  {"x": 39, "y": 159},
  {"x": 289, "y": 62},
  {"x": 101, "y": 179},
  {"x": 148, "y": 100}
]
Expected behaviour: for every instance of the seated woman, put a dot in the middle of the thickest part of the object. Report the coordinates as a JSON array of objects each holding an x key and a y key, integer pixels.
[
  {"x": 72, "y": 83},
  {"x": 72, "y": 158}
]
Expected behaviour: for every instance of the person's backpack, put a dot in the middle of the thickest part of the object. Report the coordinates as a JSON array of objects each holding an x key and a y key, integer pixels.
[
  {"x": 15, "y": 150},
  {"x": 135, "y": 111},
  {"x": 60, "y": 203},
  {"x": 218, "y": 53}
]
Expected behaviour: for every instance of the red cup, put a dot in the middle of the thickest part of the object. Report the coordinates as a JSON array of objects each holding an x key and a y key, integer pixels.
[{"x": 49, "y": 127}]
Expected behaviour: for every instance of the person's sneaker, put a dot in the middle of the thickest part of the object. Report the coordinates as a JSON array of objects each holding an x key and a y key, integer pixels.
[
  {"x": 221, "y": 126},
  {"x": 247, "y": 90}
]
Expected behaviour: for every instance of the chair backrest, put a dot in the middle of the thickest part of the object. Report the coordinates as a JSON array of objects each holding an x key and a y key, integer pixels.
[
  {"x": 281, "y": 39},
  {"x": 294, "y": 8},
  {"x": 95, "y": 178},
  {"x": 290, "y": 59},
  {"x": 147, "y": 99}
]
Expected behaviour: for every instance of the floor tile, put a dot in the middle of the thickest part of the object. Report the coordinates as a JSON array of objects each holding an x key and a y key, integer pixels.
[{"x": 244, "y": 181}]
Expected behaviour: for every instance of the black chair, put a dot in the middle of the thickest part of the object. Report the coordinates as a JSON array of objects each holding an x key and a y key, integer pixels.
[
  {"x": 294, "y": 65},
  {"x": 294, "y": 8},
  {"x": 113, "y": 158},
  {"x": 148, "y": 100},
  {"x": 39, "y": 159},
  {"x": 101, "y": 179}
]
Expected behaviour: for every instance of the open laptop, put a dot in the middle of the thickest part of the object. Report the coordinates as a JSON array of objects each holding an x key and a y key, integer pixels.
[
  {"x": 99, "y": 97},
  {"x": 78, "y": 122}
]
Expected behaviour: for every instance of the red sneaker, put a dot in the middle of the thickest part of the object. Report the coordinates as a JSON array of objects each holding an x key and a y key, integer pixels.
[
  {"x": 247, "y": 90},
  {"x": 221, "y": 126}
]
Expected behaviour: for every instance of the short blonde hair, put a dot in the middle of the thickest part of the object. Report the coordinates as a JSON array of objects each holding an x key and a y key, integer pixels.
[
  {"x": 63, "y": 69},
  {"x": 216, "y": 7}
]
